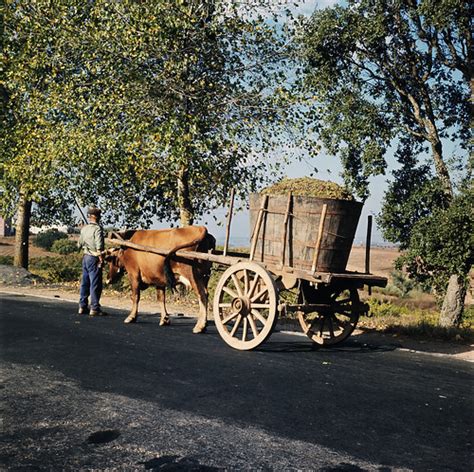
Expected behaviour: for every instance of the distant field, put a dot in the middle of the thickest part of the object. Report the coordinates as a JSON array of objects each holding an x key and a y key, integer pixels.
[
  {"x": 7, "y": 248},
  {"x": 381, "y": 260}
]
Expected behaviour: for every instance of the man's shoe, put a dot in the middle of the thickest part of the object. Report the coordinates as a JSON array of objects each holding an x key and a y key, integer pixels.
[
  {"x": 97, "y": 313},
  {"x": 83, "y": 310}
]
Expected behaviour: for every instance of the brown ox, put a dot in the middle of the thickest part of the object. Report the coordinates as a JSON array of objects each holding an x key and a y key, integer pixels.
[{"x": 148, "y": 269}]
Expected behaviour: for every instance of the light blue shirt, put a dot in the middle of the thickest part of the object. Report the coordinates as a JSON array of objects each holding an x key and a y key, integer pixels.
[{"x": 92, "y": 239}]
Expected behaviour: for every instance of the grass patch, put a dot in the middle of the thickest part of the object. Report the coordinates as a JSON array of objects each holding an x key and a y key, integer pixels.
[
  {"x": 57, "y": 269},
  {"x": 403, "y": 319},
  {"x": 6, "y": 260}
]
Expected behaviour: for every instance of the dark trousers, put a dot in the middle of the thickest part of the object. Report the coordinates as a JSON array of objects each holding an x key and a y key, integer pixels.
[{"x": 91, "y": 283}]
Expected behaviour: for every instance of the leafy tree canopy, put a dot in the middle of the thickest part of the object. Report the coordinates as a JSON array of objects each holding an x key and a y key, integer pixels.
[
  {"x": 442, "y": 244},
  {"x": 190, "y": 101},
  {"x": 387, "y": 71},
  {"x": 397, "y": 74},
  {"x": 151, "y": 109}
]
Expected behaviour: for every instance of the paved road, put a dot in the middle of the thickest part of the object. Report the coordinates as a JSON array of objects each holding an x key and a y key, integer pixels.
[{"x": 82, "y": 393}]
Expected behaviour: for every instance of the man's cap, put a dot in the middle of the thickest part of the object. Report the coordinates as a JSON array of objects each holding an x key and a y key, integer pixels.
[{"x": 94, "y": 211}]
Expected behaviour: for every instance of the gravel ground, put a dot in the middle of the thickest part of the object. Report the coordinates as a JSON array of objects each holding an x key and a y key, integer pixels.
[
  {"x": 10, "y": 275},
  {"x": 70, "y": 428}
]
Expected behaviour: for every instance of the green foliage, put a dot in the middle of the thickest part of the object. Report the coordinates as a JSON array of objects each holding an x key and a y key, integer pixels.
[
  {"x": 383, "y": 308},
  {"x": 401, "y": 282},
  {"x": 413, "y": 194},
  {"x": 389, "y": 73},
  {"x": 46, "y": 239},
  {"x": 6, "y": 260},
  {"x": 64, "y": 246},
  {"x": 33, "y": 162},
  {"x": 58, "y": 269},
  {"x": 442, "y": 244},
  {"x": 468, "y": 318},
  {"x": 390, "y": 317},
  {"x": 397, "y": 74},
  {"x": 152, "y": 109}
]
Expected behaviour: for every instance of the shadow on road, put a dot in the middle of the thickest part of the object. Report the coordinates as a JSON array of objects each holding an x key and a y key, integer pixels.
[
  {"x": 347, "y": 346},
  {"x": 176, "y": 463}
]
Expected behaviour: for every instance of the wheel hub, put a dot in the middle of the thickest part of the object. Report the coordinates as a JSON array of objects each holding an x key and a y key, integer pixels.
[{"x": 241, "y": 306}]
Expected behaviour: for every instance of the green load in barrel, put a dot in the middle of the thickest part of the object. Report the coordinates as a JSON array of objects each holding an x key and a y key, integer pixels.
[{"x": 309, "y": 187}]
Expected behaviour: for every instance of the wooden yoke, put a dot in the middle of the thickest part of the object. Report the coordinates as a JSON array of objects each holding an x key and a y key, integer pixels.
[{"x": 181, "y": 254}]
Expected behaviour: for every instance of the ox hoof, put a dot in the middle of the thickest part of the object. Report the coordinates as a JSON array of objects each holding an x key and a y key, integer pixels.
[
  {"x": 165, "y": 322},
  {"x": 130, "y": 319},
  {"x": 199, "y": 329}
]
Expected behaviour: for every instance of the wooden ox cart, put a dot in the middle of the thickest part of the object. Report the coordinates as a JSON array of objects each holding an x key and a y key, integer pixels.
[{"x": 299, "y": 245}]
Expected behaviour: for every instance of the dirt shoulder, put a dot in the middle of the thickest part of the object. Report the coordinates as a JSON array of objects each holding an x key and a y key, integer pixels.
[{"x": 16, "y": 281}]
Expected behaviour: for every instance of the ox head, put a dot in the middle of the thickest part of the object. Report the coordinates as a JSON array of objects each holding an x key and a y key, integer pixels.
[{"x": 116, "y": 269}]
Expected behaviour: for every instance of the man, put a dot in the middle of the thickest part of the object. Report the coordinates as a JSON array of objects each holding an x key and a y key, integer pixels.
[{"x": 92, "y": 242}]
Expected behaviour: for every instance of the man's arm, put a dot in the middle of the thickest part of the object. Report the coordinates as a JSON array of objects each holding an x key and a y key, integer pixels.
[
  {"x": 99, "y": 238},
  {"x": 99, "y": 242},
  {"x": 80, "y": 241}
]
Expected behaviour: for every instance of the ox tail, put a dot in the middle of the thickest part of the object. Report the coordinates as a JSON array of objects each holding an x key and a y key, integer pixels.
[{"x": 169, "y": 275}]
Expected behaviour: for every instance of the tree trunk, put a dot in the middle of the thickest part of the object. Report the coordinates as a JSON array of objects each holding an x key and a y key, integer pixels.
[
  {"x": 453, "y": 303},
  {"x": 22, "y": 232},
  {"x": 186, "y": 212},
  {"x": 441, "y": 169}
]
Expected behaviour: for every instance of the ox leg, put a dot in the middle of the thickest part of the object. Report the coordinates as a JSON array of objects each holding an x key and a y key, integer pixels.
[
  {"x": 201, "y": 291},
  {"x": 132, "y": 317},
  {"x": 160, "y": 296}
]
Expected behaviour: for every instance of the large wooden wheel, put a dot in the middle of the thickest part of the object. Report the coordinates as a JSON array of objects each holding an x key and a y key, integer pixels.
[
  {"x": 335, "y": 319},
  {"x": 245, "y": 305}
]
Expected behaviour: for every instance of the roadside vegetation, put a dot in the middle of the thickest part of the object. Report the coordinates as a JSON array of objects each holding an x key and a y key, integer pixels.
[{"x": 403, "y": 308}]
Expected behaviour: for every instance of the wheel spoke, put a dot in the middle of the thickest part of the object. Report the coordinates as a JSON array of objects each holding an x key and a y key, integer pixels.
[
  {"x": 259, "y": 317},
  {"x": 342, "y": 306},
  {"x": 253, "y": 326},
  {"x": 340, "y": 323},
  {"x": 253, "y": 286},
  {"x": 345, "y": 324},
  {"x": 345, "y": 300},
  {"x": 230, "y": 292},
  {"x": 225, "y": 305},
  {"x": 314, "y": 324},
  {"x": 236, "y": 325},
  {"x": 244, "y": 331},
  {"x": 331, "y": 327},
  {"x": 237, "y": 285},
  {"x": 261, "y": 305},
  {"x": 307, "y": 327},
  {"x": 317, "y": 325},
  {"x": 246, "y": 281},
  {"x": 229, "y": 318},
  {"x": 259, "y": 294},
  {"x": 344, "y": 313},
  {"x": 321, "y": 326}
]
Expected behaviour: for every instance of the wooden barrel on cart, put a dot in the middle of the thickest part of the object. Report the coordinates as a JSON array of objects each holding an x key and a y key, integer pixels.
[{"x": 295, "y": 231}]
